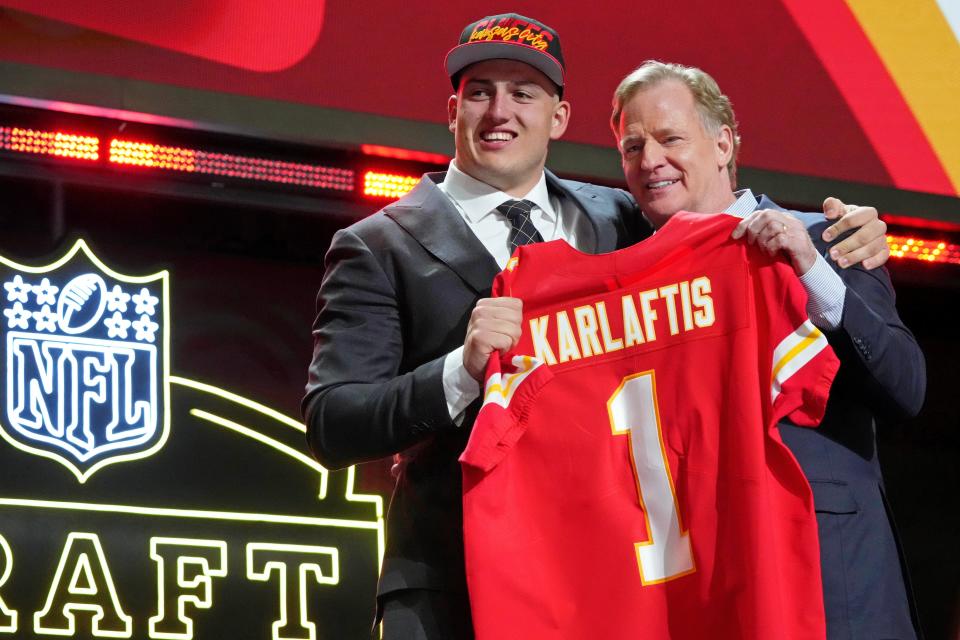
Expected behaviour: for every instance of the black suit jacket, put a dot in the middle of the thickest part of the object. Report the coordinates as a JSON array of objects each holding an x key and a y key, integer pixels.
[
  {"x": 395, "y": 299},
  {"x": 882, "y": 373}
]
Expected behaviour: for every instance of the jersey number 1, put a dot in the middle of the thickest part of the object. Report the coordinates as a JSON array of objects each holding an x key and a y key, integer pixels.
[{"x": 633, "y": 410}]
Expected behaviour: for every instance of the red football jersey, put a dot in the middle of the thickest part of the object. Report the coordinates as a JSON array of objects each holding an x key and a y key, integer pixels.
[{"x": 625, "y": 477}]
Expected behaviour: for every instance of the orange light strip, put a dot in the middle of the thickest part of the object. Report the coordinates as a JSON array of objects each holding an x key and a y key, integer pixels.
[
  {"x": 926, "y": 250},
  {"x": 148, "y": 155},
  {"x": 377, "y": 184},
  {"x": 142, "y": 154},
  {"x": 51, "y": 143}
]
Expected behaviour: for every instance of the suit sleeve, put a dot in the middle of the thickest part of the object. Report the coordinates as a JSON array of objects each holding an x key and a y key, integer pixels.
[
  {"x": 359, "y": 405},
  {"x": 878, "y": 354},
  {"x": 876, "y": 348}
]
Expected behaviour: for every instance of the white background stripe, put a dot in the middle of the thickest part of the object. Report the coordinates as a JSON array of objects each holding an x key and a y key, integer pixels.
[{"x": 951, "y": 11}]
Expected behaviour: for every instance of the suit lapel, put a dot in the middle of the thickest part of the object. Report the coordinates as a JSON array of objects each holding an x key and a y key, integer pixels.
[
  {"x": 605, "y": 235},
  {"x": 433, "y": 221}
]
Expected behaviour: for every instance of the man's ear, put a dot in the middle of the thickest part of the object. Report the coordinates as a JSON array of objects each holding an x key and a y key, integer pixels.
[
  {"x": 724, "y": 146},
  {"x": 561, "y": 118},
  {"x": 452, "y": 105}
]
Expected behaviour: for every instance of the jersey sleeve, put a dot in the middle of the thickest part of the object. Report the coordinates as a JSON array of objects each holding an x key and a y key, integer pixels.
[
  {"x": 512, "y": 384},
  {"x": 802, "y": 363}
]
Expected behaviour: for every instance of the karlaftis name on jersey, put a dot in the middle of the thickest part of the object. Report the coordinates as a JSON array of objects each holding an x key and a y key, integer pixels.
[{"x": 610, "y": 324}]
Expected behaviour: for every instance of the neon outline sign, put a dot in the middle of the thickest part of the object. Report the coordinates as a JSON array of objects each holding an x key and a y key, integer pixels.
[
  {"x": 81, "y": 595},
  {"x": 86, "y": 362}
]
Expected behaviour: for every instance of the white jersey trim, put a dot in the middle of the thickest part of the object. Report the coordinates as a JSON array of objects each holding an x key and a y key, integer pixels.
[
  {"x": 796, "y": 350},
  {"x": 501, "y": 387}
]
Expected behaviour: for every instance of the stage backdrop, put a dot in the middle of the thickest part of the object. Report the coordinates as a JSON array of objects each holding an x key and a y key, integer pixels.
[{"x": 855, "y": 90}]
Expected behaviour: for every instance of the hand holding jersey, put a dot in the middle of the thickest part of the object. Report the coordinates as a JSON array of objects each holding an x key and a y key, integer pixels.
[
  {"x": 494, "y": 326},
  {"x": 774, "y": 232},
  {"x": 778, "y": 231}
]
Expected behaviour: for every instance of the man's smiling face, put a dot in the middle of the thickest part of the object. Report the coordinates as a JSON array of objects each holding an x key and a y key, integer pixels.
[
  {"x": 503, "y": 117},
  {"x": 671, "y": 161}
]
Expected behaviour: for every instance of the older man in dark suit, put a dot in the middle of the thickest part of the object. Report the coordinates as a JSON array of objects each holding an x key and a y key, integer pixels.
[
  {"x": 400, "y": 338},
  {"x": 678, "y": 140}
]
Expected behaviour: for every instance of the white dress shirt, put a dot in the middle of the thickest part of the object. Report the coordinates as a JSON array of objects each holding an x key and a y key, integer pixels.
[{"x": 555, "y": 218}]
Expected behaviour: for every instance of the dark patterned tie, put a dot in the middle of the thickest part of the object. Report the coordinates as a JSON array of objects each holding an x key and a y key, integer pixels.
[{"x": 523, "y": 231}]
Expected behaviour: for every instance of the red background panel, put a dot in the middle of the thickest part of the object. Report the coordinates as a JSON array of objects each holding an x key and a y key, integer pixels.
[
  {"x": 259, "y": 35},
  {"x": 386, "y": 58}
]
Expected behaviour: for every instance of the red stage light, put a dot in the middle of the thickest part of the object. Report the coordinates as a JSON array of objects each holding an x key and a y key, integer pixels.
[
  {"x": 926, "y": 250},
  {"x": 920, "y": 223},
  {"x": 51, "y": 143},
  {"x": 404, "y": 154},
  {"x": 377, "y": 184},
  {"x": 144, "y": 154}
]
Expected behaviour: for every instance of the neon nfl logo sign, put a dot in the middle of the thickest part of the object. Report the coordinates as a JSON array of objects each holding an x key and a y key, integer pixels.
[{"x": 84, "y": 356}]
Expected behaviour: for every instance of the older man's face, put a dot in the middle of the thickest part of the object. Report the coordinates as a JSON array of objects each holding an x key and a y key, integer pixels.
[
  {"x": 671, "y": 162},
  {"x": 503, "y": 117}
]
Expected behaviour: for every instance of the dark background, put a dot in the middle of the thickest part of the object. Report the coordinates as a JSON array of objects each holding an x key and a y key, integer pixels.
[
  {"x": 244, "y": 276},
  {"x": 242, "y": 281}
]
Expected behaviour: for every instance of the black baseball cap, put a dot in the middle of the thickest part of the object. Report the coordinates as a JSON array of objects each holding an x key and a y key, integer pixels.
[{"x": 510, "y": 36}]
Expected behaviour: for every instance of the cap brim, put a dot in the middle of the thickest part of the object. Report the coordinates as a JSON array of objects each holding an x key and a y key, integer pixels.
[{"x": 462, "y": 56}]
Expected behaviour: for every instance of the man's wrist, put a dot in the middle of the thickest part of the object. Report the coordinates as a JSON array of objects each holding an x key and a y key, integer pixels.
[
  {"x": 825, "y": 295},
  {"x": 459, "y": 387}
]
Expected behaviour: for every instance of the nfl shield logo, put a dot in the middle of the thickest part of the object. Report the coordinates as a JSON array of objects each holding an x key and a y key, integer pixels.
[{"x": 84, "y": 360}]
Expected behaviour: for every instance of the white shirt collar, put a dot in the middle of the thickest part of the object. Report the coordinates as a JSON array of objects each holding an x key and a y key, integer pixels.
[
  {"x": 745, "y": 203},
  {"x": 478, "y": 199}
]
